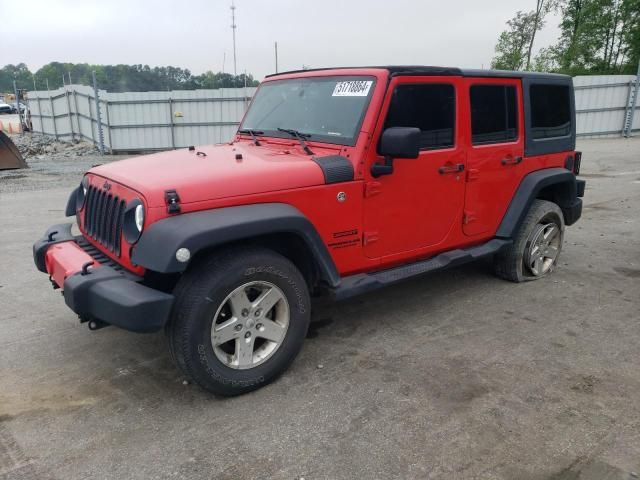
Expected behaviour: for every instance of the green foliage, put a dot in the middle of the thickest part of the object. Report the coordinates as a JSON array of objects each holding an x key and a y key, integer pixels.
[
  {"x": 118, "y": 78},
  {"x": 512, "y": 44},
  {"x": 20, "y": 73},
  {"x": 596, "y": 37},
  {"x": 516, "y": 43}
]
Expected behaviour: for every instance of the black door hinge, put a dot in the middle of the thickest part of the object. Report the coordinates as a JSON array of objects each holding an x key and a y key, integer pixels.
[{"x": 172, "y": 199}]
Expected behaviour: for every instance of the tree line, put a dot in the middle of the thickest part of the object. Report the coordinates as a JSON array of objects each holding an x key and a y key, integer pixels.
[
  {"x": 596, "y": 37},
  {"x": 117, "y": 78}
]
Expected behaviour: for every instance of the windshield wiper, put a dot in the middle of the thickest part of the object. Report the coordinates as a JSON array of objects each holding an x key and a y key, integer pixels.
[
  {"x": 300, "y": 136},
  {"x": 253, "y": 134}
]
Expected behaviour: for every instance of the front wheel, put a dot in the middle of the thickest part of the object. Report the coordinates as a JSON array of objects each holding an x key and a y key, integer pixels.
[
  {"x": 239, "y": 319},
  {"x": 536, "y": 247}
]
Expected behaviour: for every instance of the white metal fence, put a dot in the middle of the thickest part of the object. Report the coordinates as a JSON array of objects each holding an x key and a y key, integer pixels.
[
  {"x": 140, "y": 121},
  {"x": 146, "y": 121},
  {"x": 603, "y": 104}
]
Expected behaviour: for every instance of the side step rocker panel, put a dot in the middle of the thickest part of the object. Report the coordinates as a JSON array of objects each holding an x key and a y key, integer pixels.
[{"x": 364, "y": 282}]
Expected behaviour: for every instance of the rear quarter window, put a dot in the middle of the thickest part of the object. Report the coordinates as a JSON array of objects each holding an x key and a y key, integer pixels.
[{"x": 550, "y": 111}]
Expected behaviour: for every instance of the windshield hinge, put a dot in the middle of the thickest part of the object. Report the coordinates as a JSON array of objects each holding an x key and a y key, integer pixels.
[
  {"x": 372, "y": 188},
  {"x": 172, "y": 199}
]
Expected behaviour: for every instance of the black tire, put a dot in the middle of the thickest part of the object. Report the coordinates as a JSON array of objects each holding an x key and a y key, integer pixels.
[
  {"x": 510, "y": 263},
  {"x": 204, "y": 288}
]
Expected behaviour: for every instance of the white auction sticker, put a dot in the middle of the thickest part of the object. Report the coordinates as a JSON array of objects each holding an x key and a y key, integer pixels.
[{"x": 352, "y": 88}]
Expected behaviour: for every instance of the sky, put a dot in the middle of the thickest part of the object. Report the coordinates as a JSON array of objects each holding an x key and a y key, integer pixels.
[{"x": 197, "y": 34}]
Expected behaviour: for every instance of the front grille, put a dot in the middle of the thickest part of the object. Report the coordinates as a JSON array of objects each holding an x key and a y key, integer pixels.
[
  {"x": 102, "y": 259},
  {"x": 97, "y": 255},
  {"x": 104, "y": 217}
]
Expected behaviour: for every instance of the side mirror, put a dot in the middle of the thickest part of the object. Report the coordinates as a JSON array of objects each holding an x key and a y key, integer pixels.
[
  {"x": 400, "y": 142},
  {"x": 396, "y": 142}
]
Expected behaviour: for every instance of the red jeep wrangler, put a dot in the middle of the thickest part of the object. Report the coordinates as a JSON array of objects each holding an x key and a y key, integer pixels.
[{"x": 338, "y": 182}]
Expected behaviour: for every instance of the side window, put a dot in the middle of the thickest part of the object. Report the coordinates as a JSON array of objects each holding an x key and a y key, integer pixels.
[
  {"x": 429, "y": 107},
  {"x": 494, "y": 114},
  {"x": 550, "y": 111}
]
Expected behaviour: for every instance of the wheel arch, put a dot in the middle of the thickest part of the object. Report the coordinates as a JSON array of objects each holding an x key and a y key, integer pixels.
[
  {"x": 278, "y": 226},
  {"x": 287, "y": 244},
  {"x": 557, "y": 185}
]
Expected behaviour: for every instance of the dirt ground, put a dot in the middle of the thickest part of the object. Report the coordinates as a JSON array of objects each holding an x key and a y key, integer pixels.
[{"x": 458, "y": 375}]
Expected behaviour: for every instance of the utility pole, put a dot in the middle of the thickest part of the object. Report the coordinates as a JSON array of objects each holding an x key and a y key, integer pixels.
[
  {"x": 53, "y": 112},
  {"x": 276, "y": 49},
  {"x": 98, "y": 117},
  {"x": 17, "y": 95},
  {"x": 245, "y": 90},
  {"x": 233, "y": 29},
  {"x": 224, "y": 59}
]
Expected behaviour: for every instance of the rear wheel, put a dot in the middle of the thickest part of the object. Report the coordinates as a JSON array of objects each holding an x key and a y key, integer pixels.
[
  {"x": 536, "y": 247},
  {"x": 239, "y": 319}
]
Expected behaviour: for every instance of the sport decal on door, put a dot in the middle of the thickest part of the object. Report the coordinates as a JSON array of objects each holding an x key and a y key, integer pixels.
[{"x": 353, "y": 88}]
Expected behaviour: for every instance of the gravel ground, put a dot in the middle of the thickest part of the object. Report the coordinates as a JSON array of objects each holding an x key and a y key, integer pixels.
[
  {"x": 457, "y": 375},
  {"x": 51, "y": 163}
]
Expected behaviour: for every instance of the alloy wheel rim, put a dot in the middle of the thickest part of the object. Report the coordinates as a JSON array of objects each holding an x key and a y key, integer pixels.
[
  {"x": 250, "y": 325},
  {"x": 543, "y": 249}
]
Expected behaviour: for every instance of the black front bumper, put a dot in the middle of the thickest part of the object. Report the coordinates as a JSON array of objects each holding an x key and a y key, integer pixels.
[
  {"x": 106, "y": 294},
  {"x": 54, "y": 234}
]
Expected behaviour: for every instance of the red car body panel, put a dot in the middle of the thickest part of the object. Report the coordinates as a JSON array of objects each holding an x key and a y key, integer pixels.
[
  {"x": 219, "y": 171},
  {"x": 373, "y": 228},
  {"x": 66, "y": 258}
]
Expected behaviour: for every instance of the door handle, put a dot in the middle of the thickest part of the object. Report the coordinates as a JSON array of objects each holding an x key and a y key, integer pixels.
[
  {"x": 457, "y": 168},
  {"x": 511, "y": 160}
]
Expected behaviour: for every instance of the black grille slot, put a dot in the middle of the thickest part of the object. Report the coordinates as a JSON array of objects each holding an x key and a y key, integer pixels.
[
  {"x": 103, "y": 218},
  {"x": 98, "y": 255}
]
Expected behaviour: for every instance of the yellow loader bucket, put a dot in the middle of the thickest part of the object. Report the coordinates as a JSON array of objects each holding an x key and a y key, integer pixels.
[{"x": 9, "y": 154}]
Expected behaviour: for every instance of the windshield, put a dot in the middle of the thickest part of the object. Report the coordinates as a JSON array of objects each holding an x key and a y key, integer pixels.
[{"x": 326, "y": 109}]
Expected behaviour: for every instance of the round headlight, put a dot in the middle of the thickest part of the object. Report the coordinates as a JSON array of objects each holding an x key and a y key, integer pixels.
[
  {"x": 139, "y": 217},
  {"x": 81, "y": 195},
  {"x": 133, "y": 221}
]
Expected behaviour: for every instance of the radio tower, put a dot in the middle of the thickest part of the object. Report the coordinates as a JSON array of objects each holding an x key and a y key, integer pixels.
[{"x": 233, "y": 29}]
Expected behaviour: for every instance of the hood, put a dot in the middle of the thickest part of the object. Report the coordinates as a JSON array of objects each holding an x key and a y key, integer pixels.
[{"x": 217, "y": 171}]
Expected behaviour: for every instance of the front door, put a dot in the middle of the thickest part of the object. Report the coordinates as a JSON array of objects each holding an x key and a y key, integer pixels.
[{"x": 419, "y": 205}]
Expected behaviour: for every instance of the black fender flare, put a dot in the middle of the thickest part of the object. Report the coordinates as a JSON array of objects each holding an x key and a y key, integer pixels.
[
  {"x": 528, "y": 191},
  {"x": 70, "y": 210},
  {"x": 156, "y": 249}
]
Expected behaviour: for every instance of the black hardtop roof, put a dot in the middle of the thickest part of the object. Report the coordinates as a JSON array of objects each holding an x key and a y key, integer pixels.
[{"x": 438, "y": 71}]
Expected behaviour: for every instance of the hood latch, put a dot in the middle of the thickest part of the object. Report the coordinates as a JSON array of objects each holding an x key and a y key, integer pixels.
[{"x": 172, "y": 199}]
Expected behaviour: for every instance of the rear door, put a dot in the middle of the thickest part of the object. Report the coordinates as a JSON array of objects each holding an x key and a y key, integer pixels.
[{"x": 495, "y": 153}]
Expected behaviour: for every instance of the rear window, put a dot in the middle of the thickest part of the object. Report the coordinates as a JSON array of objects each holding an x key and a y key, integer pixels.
[
  {"x": 429, "y": 107},
  {"x": 493, "y": 114},
  {"x": 550, "y": 111}
]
